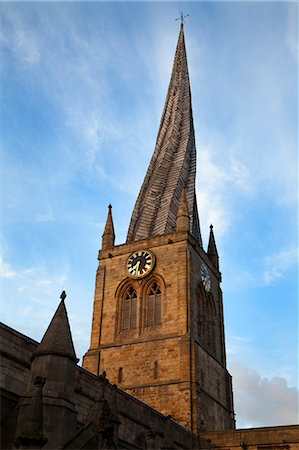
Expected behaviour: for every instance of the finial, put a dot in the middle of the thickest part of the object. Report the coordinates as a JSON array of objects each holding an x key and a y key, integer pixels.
[
  {"x": 182, "y": 17},
  {"x": 108, "y": 237},
  {"x": 212, "y": 249},
  {"x": 63, "y": 295}
]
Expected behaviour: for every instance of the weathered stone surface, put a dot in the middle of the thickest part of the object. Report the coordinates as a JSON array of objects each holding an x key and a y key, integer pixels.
[
  {"x": 129, "y": 423},
  {"x": 173, "y": 366},
  {"x": 267, "y": 438}
]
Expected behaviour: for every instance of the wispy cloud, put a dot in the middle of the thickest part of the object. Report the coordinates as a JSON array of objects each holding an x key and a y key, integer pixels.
[
  {"x": 275, "y": 401},
  {"x": 218, "y": 184},
  {"x": 7, "y": 271},
  {"x": 18, "y": 38},
  {"x": 278, "y": 264},
  {"x": 31, "y": 286}
]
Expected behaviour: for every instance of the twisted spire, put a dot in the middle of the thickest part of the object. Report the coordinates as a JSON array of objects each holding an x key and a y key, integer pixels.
[{"x": 173, "y": 164}]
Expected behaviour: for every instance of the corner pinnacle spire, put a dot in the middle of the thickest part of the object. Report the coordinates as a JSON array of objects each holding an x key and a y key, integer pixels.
[
  {"x": 108, "y": 237},
  {"x": 57, "y": 339},
  {"x": 212, "y": 249},
  {"x": 173, "y": 164}
]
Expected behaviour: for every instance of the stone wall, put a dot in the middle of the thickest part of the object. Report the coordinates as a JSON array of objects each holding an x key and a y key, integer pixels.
[
  {"x": 267, "y": 438},
  {"x": 154, "y": 361},
  {"x": 164, "y": 365},
  {"x": 136, "y": 425}
]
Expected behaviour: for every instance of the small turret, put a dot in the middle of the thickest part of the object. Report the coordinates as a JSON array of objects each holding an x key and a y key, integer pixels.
[
  {"x": 108, "y": 237},
  {"x": 55, "y": 361},
  {"x": 212, "y": 249},
  {"x": 183, "y": 219},
  {"x": 57, "y": 339}
]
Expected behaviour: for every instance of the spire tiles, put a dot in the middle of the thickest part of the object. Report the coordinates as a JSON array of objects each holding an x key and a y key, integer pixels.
[{"x": 173, "y": 164}]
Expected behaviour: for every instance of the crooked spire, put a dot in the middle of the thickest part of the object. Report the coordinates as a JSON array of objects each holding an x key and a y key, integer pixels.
[
  {"x": 57, "y": 339},
  {"x": 212, "y": 249},
  {"x": 173, "y": 164},
  {"x": 108, "y": 237}
]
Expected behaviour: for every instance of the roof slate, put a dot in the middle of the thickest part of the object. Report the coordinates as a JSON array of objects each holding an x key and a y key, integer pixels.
[{"x": 173, "y": 164}]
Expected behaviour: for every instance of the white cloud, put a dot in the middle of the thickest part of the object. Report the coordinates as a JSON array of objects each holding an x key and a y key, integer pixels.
[
  {"x": 278, "y": 264},
  {"x": 263, "y": 401},
  {"x": 265, "y": 271},
  {"x": 19, "y": 38},
  {"x": 7, "y": 271},
  {"x": 240, "y": 176},
  {"x": 218, "y": 185},
  {"x": 34, "y": 287}
]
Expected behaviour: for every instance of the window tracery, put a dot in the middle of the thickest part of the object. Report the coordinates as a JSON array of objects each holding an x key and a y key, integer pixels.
[
  {"x": 153, "y": 305},
  {"x": 128, "y": 310},
  {"x": 206, "y": 320}
]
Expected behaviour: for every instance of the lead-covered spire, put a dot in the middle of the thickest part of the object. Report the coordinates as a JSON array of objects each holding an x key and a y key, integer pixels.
[{"x": 173, "y": 164}]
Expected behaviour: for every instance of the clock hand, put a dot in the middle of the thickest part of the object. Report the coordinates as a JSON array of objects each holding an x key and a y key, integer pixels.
[{"x": 137, "y": 267}]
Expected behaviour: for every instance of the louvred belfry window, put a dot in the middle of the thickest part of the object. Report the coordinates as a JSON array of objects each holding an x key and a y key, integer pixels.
[
  {"x": 128, "y": 321},
  {"x": 153, "y": 305}
]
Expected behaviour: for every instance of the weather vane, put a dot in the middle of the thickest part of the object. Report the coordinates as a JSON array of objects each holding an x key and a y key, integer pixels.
[{"x": 182, "y": 17}]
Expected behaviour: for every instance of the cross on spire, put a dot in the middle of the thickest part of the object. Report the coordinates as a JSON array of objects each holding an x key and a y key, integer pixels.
[
  {"x": 63, "y": 295},
  {"x": 182, "y": 17}
]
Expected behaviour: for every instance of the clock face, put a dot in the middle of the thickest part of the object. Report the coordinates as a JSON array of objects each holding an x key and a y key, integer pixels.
[
  {"x": 205, "y": 277},
  {"x": 140, "y": 263}
]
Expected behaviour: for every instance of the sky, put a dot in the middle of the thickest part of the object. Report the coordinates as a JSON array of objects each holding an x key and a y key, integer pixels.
[{"x": 82, "y": 91}]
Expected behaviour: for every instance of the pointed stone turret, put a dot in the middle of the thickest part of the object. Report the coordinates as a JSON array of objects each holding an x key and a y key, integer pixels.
[
  {"x": 183, "y": 219},
  {"x": 108, "y": 237},
  {"x": 173, "y": 164},
  {"x": 212, "y": 249},
  {"x": 57, "y": 339},
  {"x": 55, "y": 360}
]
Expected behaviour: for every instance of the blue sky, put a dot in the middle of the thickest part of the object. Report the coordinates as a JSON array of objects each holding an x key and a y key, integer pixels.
[{"x": 82, "y": 92}]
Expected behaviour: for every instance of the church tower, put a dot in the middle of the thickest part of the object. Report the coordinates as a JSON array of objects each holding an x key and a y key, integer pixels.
[{"x": 157, "y": 328}]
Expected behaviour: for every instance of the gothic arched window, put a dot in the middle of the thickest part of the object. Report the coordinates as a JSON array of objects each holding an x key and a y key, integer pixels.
[
  {"x": 206, "y": 320},
  {"x": 153, "y": 305},
  {"x": 128, "y": 310}
]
